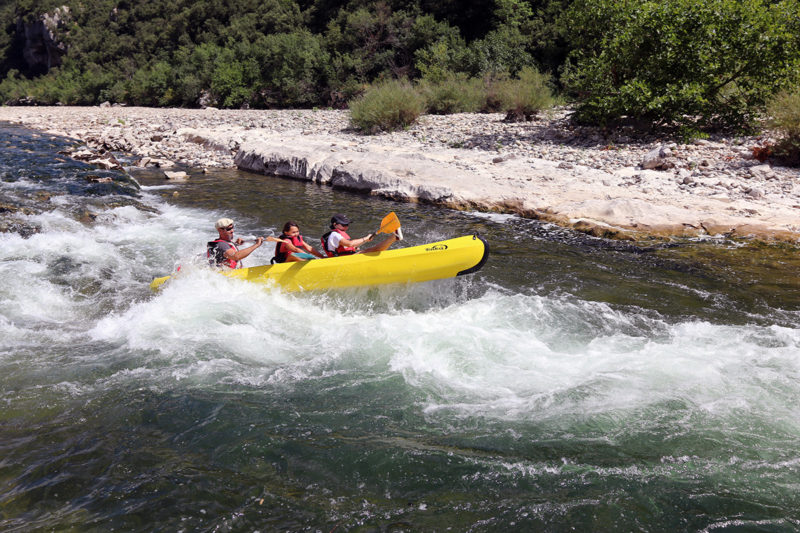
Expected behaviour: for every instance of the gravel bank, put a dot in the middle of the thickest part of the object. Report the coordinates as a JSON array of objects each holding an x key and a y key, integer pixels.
[{"x": 611, "y": 184}]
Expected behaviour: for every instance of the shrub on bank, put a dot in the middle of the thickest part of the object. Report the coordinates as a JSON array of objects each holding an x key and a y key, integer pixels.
[
  {"x": 386, "y": 106},
  {"x": 694, "y": 63},
  {"x": 524, "y": 97},
  {"x": 494, "y": 85},
  {"x": 453, "y": 93},
  {"x": 784, "y": 112},
  {"x": 65, "y": 85}
]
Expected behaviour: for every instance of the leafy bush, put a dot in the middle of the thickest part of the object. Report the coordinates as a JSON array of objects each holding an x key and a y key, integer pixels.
[
  {"x": 195, "y": 68},
  {"x": 380, "y": 42},
  {"x": 705, "y": 63},
  {"x": 504, "y": 50},
  {"x": 784, "y": 112},
  {"x": 524, "y": 97},
  {"x": 65, "y": 85},
  {"x": 495, "y": 88},
  {"x": 453, "y": 93},
  {"x": 293, "y": 69},
  {"x": 230, "y": 80},
  {"x": 386, "y": 106},
  {"x": 13, "y": 89},
  {"x": 152, "y": 85},
  {"x": 439, "y": 59}
]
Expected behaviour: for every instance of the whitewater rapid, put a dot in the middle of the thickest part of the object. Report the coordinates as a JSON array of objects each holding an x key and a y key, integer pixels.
[{"x": 571, "y": 383}]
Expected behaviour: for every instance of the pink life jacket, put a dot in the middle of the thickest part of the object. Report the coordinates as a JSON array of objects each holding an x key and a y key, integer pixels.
[{"x": 281, "y": 253}]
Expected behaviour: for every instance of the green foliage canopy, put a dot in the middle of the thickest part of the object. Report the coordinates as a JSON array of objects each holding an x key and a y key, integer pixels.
[
  {"x": 681, "y": 63},
  {"x": 695, "y": 63},
  {"x": 266, "y": 53}
]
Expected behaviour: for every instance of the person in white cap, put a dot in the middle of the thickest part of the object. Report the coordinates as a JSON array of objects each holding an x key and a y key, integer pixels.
[{"x": 223, "y": 252}]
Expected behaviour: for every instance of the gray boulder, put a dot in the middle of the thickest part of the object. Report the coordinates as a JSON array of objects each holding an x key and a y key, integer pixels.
[{"x": 658, "y": 159}]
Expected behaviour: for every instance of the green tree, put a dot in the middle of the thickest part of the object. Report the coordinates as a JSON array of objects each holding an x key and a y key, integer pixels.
[
  {"x": 380, "y": 42},
  {"x": 504, "y": 50},
  {"x": 7, "y": 29},
  {"x": 194, "y": 70},
  {"x": 513, "y": 13},
  {"x": 152, "y": 85},
  {"x": 231, "y": 79},
  {"x": 441, "y": 50},
  {"x": 294, "y": 69},
  {"x": 690, "y": 63},
  {"x": 269, "y": 52}
]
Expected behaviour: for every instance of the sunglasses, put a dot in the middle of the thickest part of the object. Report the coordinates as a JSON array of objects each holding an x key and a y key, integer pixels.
[{"x": 229, "y": 228}]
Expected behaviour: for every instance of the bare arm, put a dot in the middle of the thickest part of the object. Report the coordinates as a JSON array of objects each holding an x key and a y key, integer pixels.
[
  {"x": 244, "y": 252},
  {"x": 310, "y": 249},
  {"x": 291, "y": 248},
  {"x": 355, "y": 243}
]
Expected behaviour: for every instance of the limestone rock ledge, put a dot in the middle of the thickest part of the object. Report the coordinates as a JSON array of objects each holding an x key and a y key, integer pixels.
[
  {"x": 537, "y": 189},
  {"x": 533, "y": 189},
  {"x": 390, "y": 177},
  {"x": 545, "y": 169}
]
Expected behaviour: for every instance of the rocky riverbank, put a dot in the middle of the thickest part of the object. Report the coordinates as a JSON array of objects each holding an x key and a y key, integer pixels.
[{"x": 612, "y": 184}]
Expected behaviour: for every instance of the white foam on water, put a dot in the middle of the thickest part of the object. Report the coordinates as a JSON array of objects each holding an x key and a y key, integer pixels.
[
  {"x": 203, "y": 326},
  {"x": 11, "y": 335},
  {"x": 66, "y": 274},
  {"x": 494, "y": 217},
  {"x": 29, "y": 298},
  {"x": 501, "y": 355},
  {"x": 148, "y": 188}
]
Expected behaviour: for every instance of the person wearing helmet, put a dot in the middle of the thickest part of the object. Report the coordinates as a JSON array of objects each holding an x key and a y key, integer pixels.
[{"x": 337, "y": 242}]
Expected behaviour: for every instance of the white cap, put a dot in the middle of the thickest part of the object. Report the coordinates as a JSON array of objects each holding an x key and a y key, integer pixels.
[{"x": 223, "y": 223}]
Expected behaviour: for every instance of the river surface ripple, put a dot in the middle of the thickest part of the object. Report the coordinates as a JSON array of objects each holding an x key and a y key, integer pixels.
[{"x": 572, "y": 384}]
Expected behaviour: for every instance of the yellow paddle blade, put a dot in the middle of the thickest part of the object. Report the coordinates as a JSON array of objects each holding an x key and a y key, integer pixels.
[
  {"x": 158, "y": 282},
  {"x": 389, "y": 223}
]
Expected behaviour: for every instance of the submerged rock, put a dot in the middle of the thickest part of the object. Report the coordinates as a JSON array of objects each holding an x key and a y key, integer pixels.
[{"x": 176, "y": 175}]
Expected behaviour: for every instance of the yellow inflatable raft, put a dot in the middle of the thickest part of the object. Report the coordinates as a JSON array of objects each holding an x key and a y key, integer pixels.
[{"x": 444, "y": 259}]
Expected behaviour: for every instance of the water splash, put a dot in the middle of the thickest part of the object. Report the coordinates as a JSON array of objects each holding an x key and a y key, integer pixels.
[{"x": 562, "y": 385}]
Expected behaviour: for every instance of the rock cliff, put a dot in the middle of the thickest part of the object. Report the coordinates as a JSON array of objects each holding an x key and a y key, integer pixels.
[{"x": 41, "y": 47}]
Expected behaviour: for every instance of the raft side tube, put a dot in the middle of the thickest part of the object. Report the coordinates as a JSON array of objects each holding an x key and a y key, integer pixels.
[{"x": 480, "y": 264}]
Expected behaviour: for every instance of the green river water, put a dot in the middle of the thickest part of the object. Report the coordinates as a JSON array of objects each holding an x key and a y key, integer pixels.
[{"x": 573, "y": 384}]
